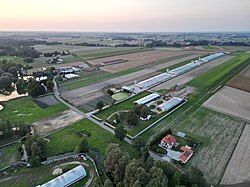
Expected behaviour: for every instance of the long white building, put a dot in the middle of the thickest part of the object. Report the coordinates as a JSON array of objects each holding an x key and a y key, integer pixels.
[{"x": 158, "y": 79}]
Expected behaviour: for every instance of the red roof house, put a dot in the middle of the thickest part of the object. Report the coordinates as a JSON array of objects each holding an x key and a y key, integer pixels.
[
  {"x": 168, "y": 141},
  {"x": 186, "y": 154}
]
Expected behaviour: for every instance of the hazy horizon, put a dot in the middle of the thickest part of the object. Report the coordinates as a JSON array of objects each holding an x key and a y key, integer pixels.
[{"x": 125, "y": 15}]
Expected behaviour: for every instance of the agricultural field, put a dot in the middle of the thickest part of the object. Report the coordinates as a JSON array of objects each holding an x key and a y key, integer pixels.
[
  {"x": 211, "y": 76},
  {"x": 108, "y": 52},
  {"x": 98, "y": 138},
  {"x": 230, "y": 101},
  {"x": 242, "y": 80},
  {"x": 238, "y": 170},
  {"x": 219, "y": 135},
  {"x": 24, "y": 109},
  {"x": 186, "y": 77},
  {"x": 62, "y": 47},
  {"x": 139, "y": 59}
]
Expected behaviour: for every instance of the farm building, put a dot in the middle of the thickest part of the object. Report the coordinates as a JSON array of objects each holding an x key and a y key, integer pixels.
[
  {"x": 168, "y": 141},
  {"x": 68, "y": 178},
  {"x": 71, "y": 76},
  {"x": 163, "y": 77},
  {"x": 147, "y": 99},
  {"x": 186, "y": 154},
  {"x": 67, "y": 70},
  {"x": 171, "y": 103},
  {"x": 154, "y": 81}
]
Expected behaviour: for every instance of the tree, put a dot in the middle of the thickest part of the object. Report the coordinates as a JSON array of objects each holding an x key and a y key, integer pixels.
[
  {"x": 157, "y": 177},
  {"x": 131, "y": 118},
  {"x": 139, "y": 143},
  {"x": 21, "y": 86},
  {"x": 113, "y": 154},
  {"x": 120, "y": 133},
  {"x": 108, "y": 183},
  {"x": 99, "y": 105},
  {"x": 197, "y": 177},
  {"x": 50, "y": 85},
  {"x": 138, "y": 109},
  {"x": 5, "y": 84},
  {"x": 175, "y": 179},
  {"x": 144, "y": 112},
  {"x": 120, "y": 168},
  {"x": 83, "y": 146}
]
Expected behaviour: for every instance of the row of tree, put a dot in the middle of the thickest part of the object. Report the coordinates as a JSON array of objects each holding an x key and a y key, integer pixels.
[
  {"x": 8, "y": 129},
  {"x": 144, "y": 171}
]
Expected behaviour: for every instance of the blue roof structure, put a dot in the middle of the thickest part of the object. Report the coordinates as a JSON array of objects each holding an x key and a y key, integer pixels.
[{"x": 67, "y": 178}]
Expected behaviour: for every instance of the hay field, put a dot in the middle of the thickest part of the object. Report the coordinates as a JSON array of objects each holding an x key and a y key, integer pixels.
[
  {"x": 219, "y": 135},
  {"x": 230, "y": 101},
  {"x": 238, "y": 169},
  {"x": 242, "y": 80},
  {"x": 139, "y": 59}
]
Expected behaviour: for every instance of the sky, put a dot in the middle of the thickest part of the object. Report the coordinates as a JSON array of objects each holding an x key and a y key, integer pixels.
[{"x": 125, "y": 15}]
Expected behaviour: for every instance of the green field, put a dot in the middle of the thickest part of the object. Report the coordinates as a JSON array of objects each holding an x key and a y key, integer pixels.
[
  {"x": 24, "y": 109},
  {"x": 9, "y": 155},
  {"x": 215, "y": 74},
  {"x": 68, "y": 138},
  {"x": 14, "y": 59}
]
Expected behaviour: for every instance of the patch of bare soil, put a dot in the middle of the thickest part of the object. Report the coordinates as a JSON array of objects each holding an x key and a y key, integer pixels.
[
  {"x": 61, "y": 120},
  {"x": 242, "y": 80}
]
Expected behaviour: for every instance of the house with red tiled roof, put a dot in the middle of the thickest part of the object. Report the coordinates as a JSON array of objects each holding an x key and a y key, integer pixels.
[
  {"x": 168, "y": 141},
  {"x": 186, "y": 154}
]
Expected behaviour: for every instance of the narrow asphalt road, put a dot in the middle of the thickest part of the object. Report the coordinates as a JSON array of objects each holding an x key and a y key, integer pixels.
[{"x": 57, "y": 95}]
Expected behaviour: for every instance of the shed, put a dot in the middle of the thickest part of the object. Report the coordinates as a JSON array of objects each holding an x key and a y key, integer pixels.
[{"x": 147, "y": 99}]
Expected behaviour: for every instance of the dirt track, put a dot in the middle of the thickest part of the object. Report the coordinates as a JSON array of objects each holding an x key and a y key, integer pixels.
[
  {"x": 230, "y": 101},
  {"x": 183, "y": 79},
  {"x": 238, "y": 169},
  {"x": 77, "y": 95},
  {"x": 63, "y": 119}
]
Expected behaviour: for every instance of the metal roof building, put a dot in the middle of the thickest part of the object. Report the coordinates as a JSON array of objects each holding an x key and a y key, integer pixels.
[
  {"x": 147, "y": 99},
  {"x": 68, "y": 178},
  {"x": 154, "y": 80},
  {"x": 170, "y": 103}
]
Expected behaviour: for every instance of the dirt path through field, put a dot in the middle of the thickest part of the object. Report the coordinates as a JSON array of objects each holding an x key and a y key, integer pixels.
[{"x": 238, "y": 169}]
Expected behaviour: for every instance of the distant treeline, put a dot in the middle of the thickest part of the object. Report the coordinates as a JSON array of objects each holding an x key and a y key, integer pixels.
[{"x": 186, "y": 43}]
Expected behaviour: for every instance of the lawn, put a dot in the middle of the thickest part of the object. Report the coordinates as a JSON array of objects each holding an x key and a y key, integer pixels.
[
  {"x": 218, "y": 72},
  {"x": 9, "y": 155},
  {"x": 125, "y": 105},
  {"x": 24, "y": 109},
  {"x": 68, "y": 138}
]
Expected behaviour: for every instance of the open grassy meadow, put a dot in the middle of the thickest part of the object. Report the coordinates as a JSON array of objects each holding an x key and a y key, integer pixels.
[
  {"x": 67, "y": 139},
  {"x": 24, "y": 109}
]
